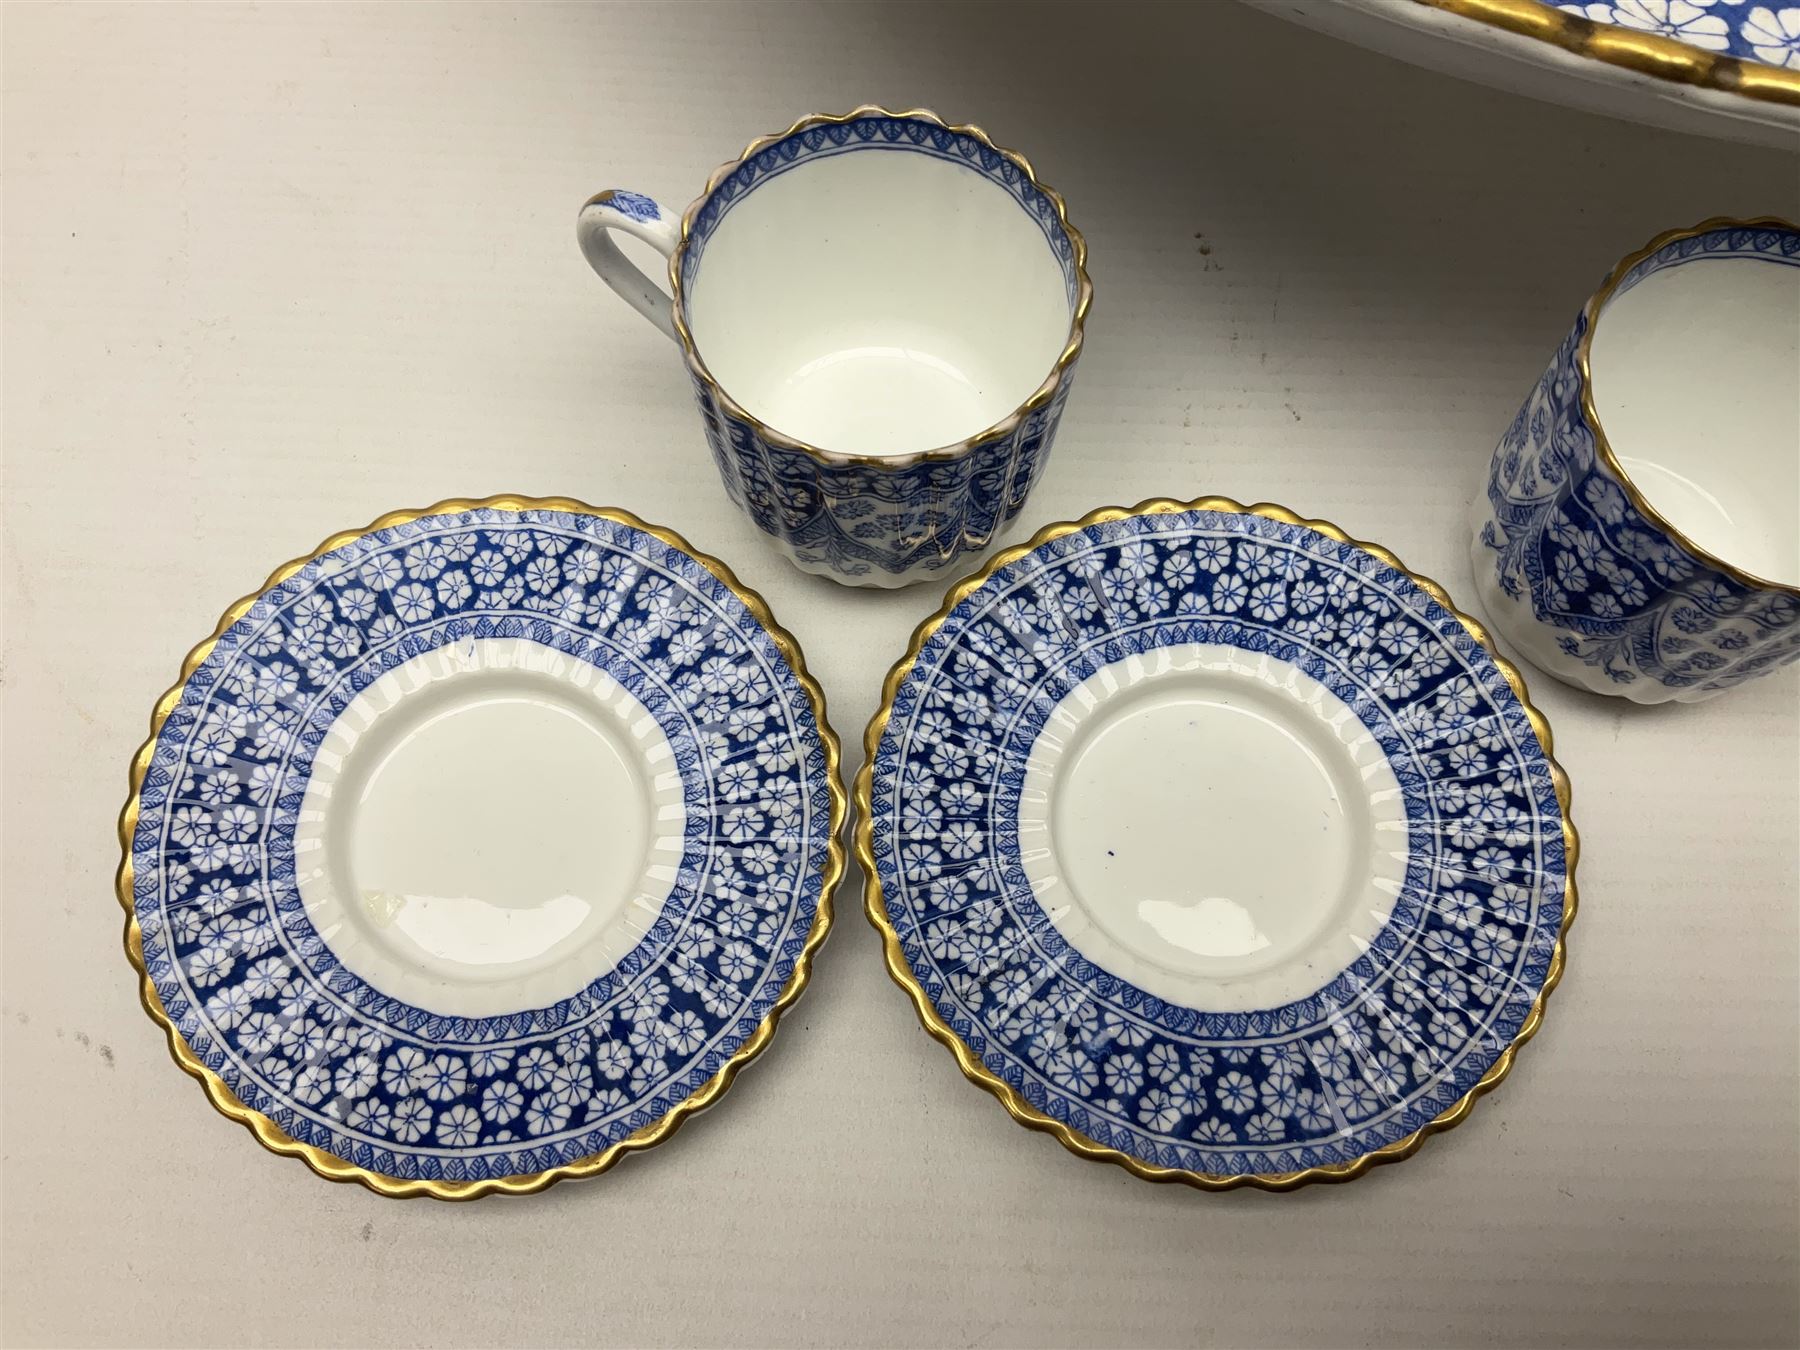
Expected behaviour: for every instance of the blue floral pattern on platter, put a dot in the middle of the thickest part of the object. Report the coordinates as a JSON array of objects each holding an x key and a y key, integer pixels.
[
  {"x": 257, "y": 993},
  {"x": 880, "y": 524},
  {"x": 1769, "y": 34},
  {"x": 1626, "y": 599},
  {"x": 1380, "y": 1048}
]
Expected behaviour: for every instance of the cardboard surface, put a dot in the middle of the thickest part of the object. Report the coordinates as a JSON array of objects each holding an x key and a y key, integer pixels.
[{"x": 269, "y": 273}]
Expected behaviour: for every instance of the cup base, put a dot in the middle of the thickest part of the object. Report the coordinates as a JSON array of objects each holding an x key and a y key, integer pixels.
[
  {"x": 878, "y": 578},
  {"x": 1520, "y": 630}
]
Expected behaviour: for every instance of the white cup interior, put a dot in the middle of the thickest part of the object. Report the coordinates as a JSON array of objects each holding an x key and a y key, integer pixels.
[
  {"x": 879, "y": 301},
  {"x": 1696, "y": 382}
]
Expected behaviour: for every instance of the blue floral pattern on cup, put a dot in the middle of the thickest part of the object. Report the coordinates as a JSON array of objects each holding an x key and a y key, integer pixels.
[
  {"x": 910, "y": 517},
  {"x": 869, "y": 523},
  {"x": 257, "y": 992},
  {"x": 633, "y": 204},
  {"x": 1382, "y": 1047},
  {"x": 1625, "y": 599}
]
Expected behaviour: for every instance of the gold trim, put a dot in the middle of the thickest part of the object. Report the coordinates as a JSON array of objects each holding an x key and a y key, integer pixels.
[
  {"x": 1084, "y": 299},
  {"x": 1590, "y": 414},
  {"x": 1645, "y": 53},
  {"x": 1016, "y": 1105},
  {"x": 332, "y": 1168}
]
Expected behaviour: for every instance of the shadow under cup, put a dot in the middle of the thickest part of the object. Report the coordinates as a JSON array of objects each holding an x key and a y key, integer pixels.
[
  {"x": 1639, "y": 533},
  {"x": 881, "y": 316}
]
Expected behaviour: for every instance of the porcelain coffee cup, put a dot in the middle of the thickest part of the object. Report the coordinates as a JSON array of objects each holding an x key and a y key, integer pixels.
[
  {"x": 881, "y": 315},
  {"x": 1639, "y": 533}
]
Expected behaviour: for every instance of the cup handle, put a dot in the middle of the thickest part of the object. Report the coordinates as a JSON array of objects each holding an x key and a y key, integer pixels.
[{"x": 639, "y": 216}]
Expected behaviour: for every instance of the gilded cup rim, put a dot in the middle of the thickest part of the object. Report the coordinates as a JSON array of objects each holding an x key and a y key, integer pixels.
[
  {"x": 1039, "y": 398},
  {"x": 1590, "y": 414}
]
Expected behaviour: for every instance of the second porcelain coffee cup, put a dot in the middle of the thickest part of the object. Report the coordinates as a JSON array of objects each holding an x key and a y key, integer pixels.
[
  {"x": 881, "y": 315},
  {"x": 1639, "y": 530}
]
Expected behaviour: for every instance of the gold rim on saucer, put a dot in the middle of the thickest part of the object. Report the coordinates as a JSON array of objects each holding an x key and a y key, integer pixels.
[
  {"x": 330, "y": 1166},
  {"x": 1039, "y": 398},
  {"x": 1015, "y": 1103}
]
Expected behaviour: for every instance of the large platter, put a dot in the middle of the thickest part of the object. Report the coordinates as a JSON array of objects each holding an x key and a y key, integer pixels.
[{"x": 1728, "y": 68}]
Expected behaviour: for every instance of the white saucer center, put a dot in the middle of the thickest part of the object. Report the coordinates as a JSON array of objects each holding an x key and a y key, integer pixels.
[
  {"x": 489, "y": 828},
  {"x": 1183, "y": 856},
  {"x": 495, "y": 868},
  {"x": 1214, "y": 826}
]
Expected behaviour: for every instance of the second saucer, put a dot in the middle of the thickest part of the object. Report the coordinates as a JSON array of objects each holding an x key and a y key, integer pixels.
[{"x": 1217, "y": 844}]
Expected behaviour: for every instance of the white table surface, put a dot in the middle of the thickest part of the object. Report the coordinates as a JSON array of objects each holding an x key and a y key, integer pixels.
[{"x": 271, "y": 272}]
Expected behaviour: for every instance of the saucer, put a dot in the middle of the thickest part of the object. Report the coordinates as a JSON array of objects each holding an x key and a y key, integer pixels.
[
  {"x": 1217, "y": 845},
  {"x": 482, "y": 846}
]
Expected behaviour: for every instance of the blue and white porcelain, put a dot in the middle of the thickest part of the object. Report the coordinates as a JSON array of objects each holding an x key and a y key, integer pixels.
[
  {"x": 881, "y": 315},
  {"x": 482, "y": 847},
  {"x": 1217, "y": 845},
  {"x": 1639, "y": 532},
  {"x": 1713, "y": 67},
  {"x": 1767, "y": 34}
]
